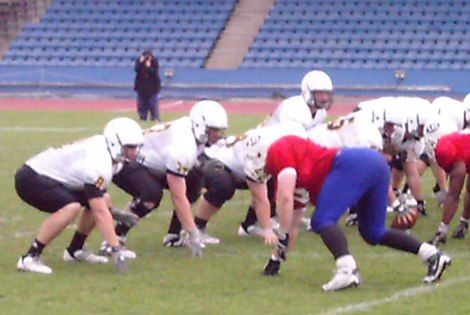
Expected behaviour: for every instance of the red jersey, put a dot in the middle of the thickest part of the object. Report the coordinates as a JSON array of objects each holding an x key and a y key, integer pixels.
[
  {"x": 452, "y": 148},
  {"x": 311, "y": 161}
]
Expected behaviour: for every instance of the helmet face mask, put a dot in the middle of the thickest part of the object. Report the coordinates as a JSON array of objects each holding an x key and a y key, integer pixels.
[
  {"x": 317, "y": 89},
  {"x": 122, "y": 132},
  {"x": 207, "y": 116}
]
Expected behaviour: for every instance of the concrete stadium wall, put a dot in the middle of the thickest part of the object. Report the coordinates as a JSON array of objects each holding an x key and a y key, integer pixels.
[{"x": 117, "y": 82}]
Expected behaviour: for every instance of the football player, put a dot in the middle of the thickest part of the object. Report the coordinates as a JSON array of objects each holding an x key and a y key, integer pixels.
[
  {"x": 168, "y": 160},
  {"x": 309, "y": 109},
  {"x": 224, "y": 173},
  {"x": 451, "y": 149},
  {"x": 61, "y": 181},
  {"x": 335, "y": 180}
]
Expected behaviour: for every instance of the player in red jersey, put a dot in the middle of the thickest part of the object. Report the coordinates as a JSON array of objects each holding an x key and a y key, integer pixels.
[
  {"x": 451, "y": 149},
  {"x": 336, "y": 179}
]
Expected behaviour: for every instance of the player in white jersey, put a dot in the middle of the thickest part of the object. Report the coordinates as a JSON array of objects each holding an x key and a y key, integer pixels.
[
  {"x": 61, "y": 181},
  {"x": 353, "y": 130},
  {"x": 309, "y": 109},
  {"x": 401, "y": 119},
  {"x": 224, "y": 173},
  {"x": 168, "y": 160}
]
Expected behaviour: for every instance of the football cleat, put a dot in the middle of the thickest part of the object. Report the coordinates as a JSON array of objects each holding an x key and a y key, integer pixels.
[
  {"x": 461, "y": 230},
  {"x": 251, "y": 230},
  {"x": 351, "y": 220},
  {"x": 343, "y": 279},
  {"x": 438, "y": 238},
  {"x": 84, "y": 255},
  {"x": 272, "y": 268},
  {"x": 437, "y": 263},
  {"x": 208, "y": 239},
  {"x": 33, "y": 264}
]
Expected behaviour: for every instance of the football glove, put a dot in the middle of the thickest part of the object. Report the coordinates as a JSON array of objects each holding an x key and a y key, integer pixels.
[
  {"x": 195, "y": 243},
  {"x": 119, "y": 259}
]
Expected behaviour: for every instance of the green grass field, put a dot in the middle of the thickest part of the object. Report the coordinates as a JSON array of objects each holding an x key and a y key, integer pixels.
[{"x": 227, "y": 280}]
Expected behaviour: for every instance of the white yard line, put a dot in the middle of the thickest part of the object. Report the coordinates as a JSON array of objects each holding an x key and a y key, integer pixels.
[{"x": 366, "y": 306}]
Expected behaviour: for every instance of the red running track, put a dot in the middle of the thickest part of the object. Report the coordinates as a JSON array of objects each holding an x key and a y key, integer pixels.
[{"x": 342, "y": 106}]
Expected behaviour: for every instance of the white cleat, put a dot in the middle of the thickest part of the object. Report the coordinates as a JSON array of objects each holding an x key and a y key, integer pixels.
[
  {"x": 33, "y": 264},
  {"x": 84, "y": 255},
  {"x": 343, "y": 279},
  {"x": 252, "y": 230},
  {"x": 208, "y": 239}
]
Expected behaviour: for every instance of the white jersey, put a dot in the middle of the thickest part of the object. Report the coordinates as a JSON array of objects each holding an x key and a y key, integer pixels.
[
  {"x": 170, "y": 147},
  {"x": 295, "y": 109},
  {"x": 232, "y": 150},
  {"x": 354, "y": 130},
  {"x": 83, "y": 162}
]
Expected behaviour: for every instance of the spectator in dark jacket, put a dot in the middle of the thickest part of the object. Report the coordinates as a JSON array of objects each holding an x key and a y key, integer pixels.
[{"x": 147, "y": 85}]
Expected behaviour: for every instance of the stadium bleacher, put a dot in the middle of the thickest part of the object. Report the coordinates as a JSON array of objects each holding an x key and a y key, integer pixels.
[
  {"x": 115, "y": 32},
  {"x": 377, "y": 34},
  {"x": 341, "y": 34}
]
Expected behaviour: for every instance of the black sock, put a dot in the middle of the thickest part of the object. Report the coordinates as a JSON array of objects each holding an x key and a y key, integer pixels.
[
  {"x": 250, "y": 217},
  {"x": 401, "y": 240},
  {"x": 335, "y": 240},
  {"x": 200, "y": 223},
  {"x": 122, "y": 229},
  {"x": 36, "y": 249},
  {"x": 77, "y": 242},
  {"x": 175, "y": 224}
]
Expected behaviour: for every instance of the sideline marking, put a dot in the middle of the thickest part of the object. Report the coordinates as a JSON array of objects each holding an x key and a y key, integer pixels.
[{"x": 365, "y": 306}]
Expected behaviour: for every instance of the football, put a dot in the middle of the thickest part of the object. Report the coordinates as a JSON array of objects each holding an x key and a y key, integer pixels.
[{"x": 405, "y": 220}]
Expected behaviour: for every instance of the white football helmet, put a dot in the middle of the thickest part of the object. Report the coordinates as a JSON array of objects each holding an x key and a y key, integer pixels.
[
  {"x": 435, "y": 129},
  {"x": 258, "y": 143},
  {"x": 466, "y": 99},
  {"x": 316, "y": 81},
  {"x": 394, "y": 125},
  {"x": 205, "y": 115},
  {"x": 121, "y": 132}
]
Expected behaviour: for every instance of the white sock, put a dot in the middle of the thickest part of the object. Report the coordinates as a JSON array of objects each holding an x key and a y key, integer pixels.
[
  {"x": 346, "y": 262},
  {"x": 426, "y": 250}
]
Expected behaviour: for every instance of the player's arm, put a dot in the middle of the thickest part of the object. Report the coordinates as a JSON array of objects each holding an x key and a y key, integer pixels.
[
  {"x": 457, "y": 176},
  {"x": 286, "y": 181},
  {"x": 177, "y": 185},
  {"x": 259, "y": 192}
]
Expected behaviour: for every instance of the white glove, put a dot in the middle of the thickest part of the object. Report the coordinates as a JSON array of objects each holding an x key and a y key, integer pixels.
[
  {"x": 119, "y": 260},
  {"x": 195, "y": 242},
  {"x": 440, "y": 196}
]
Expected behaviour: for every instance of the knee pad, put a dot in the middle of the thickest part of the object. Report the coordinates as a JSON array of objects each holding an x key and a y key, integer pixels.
[
  {"x": 217, "y": 196},
  {"x": 140, "y": 209}
]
